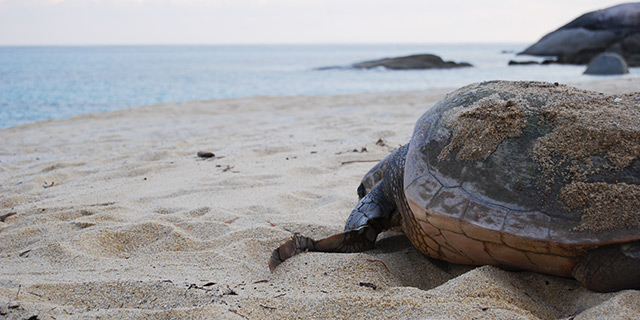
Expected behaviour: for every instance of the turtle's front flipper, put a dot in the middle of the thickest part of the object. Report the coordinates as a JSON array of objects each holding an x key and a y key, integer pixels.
[
  {"x": 373, "y": 214},
  {"x": 350, "y": 241}
]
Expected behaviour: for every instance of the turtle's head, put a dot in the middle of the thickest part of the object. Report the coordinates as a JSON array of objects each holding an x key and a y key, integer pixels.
[
  {"x": 371, "y": 211},
  {"x": 372, "y": 178},
  {"x": 362, "y": 191},
  {"x": 377, "y": 204},
  {"x": 378, "y": 172}
]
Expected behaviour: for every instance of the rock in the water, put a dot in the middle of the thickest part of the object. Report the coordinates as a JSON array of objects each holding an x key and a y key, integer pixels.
[
  {"x": 612, "y": 29},
  {"x": 515, "y": 63},
  {"x": 607, "y": 63},
  {"x": 529, "y": 62},
  {"x": 418, "y": 61}
]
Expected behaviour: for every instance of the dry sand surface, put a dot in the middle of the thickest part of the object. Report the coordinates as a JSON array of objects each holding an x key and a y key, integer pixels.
[{"x": 114, "y": 216}]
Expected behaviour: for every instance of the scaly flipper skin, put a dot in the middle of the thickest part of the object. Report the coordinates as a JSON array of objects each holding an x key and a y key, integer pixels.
[{"x": 610, "y": 268}]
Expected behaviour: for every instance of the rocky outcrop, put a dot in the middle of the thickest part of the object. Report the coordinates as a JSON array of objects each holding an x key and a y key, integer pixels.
[
  {"x": 418, "y": 61},
  {"x": 607, "y": 63},
  {"x": 615, "y": 29},
  {"x": 629, "y": 48},
  {"x": 528, "y": 62}
]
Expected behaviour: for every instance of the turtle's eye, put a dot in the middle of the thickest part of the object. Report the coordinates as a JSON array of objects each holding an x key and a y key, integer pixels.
[{"x": 362, "y": 191}]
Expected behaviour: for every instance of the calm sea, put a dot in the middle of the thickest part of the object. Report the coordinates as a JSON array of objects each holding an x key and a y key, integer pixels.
[{"x": 41, "y": 83}]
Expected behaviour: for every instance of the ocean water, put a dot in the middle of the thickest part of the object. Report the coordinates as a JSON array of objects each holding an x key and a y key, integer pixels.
[{"x": 42, "y": 83}]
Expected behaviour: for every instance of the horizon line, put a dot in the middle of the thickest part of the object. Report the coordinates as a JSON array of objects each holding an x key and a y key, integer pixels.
[{"x": 260, "y": 44}]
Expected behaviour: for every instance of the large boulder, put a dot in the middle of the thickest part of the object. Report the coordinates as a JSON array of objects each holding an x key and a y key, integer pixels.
[
  {"x": 418, "y": 61},
  {"x": 607, "y": 63},
  {"x": 613, "y": 29},
  {"x": 629, "y": 48}
]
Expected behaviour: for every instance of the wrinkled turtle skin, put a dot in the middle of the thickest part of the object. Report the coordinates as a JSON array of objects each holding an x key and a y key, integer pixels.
[{"x": 521, "y": 175}]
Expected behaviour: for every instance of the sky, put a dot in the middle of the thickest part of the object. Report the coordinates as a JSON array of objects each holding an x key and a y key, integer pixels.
[{"x": 124, "y": 22}]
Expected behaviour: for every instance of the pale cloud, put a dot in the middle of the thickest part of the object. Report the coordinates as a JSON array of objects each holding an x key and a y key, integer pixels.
[{"x": 283, "y": 21}]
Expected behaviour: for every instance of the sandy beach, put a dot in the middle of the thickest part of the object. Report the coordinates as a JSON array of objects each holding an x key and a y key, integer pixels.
[{"x": 114, "y": 215}]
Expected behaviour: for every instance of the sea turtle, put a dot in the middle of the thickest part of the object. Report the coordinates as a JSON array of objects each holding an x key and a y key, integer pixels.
[{"x": 521, "y": 175}]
